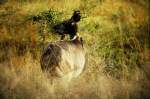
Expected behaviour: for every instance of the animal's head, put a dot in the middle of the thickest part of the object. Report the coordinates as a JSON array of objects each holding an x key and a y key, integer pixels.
[
  {"x": 76, "y": 16},
  {"x": 78, "y": 40}
]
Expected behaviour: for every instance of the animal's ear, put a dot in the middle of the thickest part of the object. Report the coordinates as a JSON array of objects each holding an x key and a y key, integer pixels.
[{"x": 81, "y": 40}]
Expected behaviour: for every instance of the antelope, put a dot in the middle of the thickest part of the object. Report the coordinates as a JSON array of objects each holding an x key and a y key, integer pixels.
[{"x": 64, "y": 59}]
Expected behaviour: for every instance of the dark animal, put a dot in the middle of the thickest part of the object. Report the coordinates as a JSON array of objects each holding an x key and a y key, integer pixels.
[
  {"x": 68, "y": 26},
  {"x": 64, "y": 59}
]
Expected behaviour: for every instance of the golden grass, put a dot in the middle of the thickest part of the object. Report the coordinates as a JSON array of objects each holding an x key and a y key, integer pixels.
[
  {"x": 27, "y": 81},
  {"x": 20, "y": 73}
]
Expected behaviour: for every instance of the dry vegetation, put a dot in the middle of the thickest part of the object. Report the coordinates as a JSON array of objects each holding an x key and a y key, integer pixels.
[{"x": 116, "y": 35}]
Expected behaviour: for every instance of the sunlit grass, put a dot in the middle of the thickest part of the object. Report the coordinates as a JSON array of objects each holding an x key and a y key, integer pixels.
[{"x": 116, "y": 37}]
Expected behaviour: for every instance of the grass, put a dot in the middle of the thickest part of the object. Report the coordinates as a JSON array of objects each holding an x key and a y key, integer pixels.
[
  {"x": 116, "y": 36},
  {"x": 28, "y": 82}
]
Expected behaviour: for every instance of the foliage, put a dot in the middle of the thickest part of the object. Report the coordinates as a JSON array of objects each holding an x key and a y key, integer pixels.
[
  {"x": 46, "y": 20},
  {"x": 50, "y": 16},
  {"x": 115, "y": 34}
]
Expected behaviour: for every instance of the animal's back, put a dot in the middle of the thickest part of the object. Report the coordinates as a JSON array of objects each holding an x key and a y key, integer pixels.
[{"x": 63, "y": 58}]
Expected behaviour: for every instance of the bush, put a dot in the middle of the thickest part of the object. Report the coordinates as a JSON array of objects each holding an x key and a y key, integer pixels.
[{"x": 45, "y": 20}]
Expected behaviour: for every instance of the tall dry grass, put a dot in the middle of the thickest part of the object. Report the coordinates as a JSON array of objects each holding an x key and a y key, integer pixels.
[
  {"x": 22, "y": 78},
  {"x": 116, "y": 35}
]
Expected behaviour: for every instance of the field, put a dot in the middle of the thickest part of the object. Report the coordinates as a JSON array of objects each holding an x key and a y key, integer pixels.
[{"x": 116, "y": 37}]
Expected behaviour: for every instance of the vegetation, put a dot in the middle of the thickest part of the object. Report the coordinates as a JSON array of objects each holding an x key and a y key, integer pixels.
[{"x": 116, "y": 37}]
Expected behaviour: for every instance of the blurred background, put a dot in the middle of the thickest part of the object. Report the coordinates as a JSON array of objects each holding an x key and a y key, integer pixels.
[{"x": 116, "y": 35}]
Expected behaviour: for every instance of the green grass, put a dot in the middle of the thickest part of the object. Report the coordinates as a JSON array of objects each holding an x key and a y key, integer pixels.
[{"x": 116, "y": 37}]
